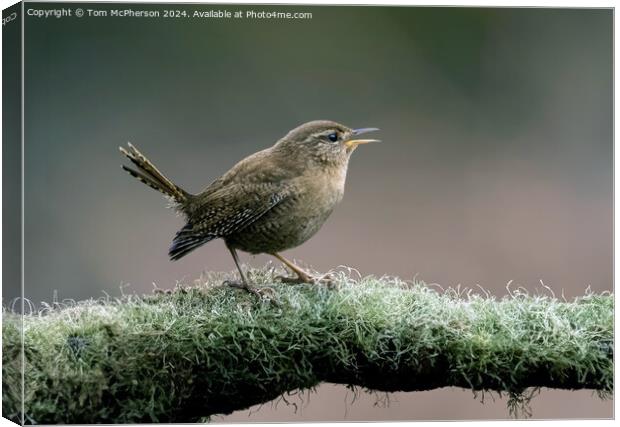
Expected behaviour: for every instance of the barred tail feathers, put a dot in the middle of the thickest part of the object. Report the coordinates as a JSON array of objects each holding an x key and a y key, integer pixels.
[{"x": 148, "y": 174}]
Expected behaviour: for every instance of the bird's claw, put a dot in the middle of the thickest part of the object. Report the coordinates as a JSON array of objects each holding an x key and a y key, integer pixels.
[
  {"x": 261, "y": 293},
  {"x": 325, "y": 279}
]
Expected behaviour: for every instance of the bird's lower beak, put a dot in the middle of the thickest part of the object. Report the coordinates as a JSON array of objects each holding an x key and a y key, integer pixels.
[{"x": 352, "y": 143}]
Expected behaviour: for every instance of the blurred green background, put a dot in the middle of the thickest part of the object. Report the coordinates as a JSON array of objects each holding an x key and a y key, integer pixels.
[{"x": 496, "y": 161}]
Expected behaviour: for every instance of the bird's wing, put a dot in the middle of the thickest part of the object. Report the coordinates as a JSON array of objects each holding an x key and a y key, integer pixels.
[
  {"x": 226, "y": 211},
  {"x": 237, "y": 206}
]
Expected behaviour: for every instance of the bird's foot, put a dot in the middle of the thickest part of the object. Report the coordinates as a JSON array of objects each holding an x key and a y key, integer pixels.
[
  {"x": 265, "y": 292},
  {"x": 325, "y": 279}
]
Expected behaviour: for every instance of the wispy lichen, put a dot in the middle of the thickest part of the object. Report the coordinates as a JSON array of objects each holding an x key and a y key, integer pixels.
[{"x": 210, "y": 349}]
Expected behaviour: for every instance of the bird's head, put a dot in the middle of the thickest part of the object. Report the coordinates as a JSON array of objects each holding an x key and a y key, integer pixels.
[{"x": 324, "y": 141}]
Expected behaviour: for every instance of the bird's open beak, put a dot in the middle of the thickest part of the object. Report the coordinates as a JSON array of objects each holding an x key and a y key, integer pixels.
[{"x": 352, "y": 143}]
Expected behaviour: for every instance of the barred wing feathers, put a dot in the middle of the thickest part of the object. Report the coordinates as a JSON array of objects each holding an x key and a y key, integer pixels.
[{"x": 227, "y": 210}]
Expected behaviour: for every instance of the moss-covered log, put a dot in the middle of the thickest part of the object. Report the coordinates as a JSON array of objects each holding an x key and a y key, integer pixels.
[{"x": 212, "y": 350}]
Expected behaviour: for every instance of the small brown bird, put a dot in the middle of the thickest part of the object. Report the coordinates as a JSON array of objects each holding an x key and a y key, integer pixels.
[{"x": 271, "y": 201}]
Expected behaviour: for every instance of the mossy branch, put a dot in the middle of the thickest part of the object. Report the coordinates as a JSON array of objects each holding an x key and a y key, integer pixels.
[{"x": 211, "y": 350}]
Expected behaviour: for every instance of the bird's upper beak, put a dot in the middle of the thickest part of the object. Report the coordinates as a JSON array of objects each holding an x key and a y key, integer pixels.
[{"x": 352, "y": 143}]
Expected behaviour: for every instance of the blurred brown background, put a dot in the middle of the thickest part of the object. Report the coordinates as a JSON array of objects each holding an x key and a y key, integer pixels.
[{"x": 496, "y": 163}]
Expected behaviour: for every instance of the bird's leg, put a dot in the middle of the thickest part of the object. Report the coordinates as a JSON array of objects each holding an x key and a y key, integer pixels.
[
  {"x": 243, "y": 284},
  {"x": 302, "y": 276}
]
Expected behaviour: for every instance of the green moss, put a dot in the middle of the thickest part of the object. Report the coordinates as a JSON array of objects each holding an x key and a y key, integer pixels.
[{"x": 211, "y": 349}]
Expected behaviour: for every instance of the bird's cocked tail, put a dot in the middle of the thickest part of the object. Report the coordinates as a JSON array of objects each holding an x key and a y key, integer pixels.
[{"x": 151, "y": 176}]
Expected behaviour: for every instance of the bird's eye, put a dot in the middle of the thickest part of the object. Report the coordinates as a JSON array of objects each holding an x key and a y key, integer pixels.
[{"x": 333, "y": 137}]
